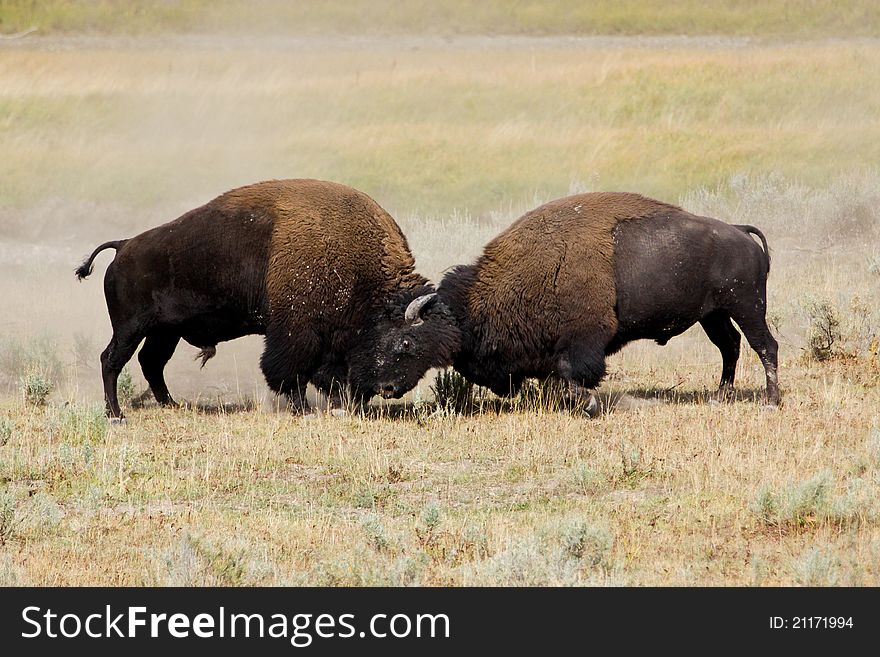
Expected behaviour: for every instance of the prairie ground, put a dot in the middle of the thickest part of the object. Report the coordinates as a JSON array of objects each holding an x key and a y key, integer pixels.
[
  {"x": 104, "y": 136},
  {"x": 446, "y": 17}
]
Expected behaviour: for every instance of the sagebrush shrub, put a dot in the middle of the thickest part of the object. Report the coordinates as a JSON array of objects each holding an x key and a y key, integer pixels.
[
  {"x": 125, "y": 387},
  {"x": 823, "y": 334},
  {"x": 9, "y": 517},
  {"x": 452, "y": 392},
  {"x": 36, "y": 388},
  {"x": 5, "y": 430}
]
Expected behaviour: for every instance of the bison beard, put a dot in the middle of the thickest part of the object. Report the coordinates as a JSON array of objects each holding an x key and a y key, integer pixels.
[
  {"x": 319, "y": 268},
  {"x": 576, "y": 279}
]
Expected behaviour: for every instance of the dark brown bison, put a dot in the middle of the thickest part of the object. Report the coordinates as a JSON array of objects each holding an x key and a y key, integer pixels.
[
  {"x": 574, "y": 280},
  {"x": 318, "y": 267}
]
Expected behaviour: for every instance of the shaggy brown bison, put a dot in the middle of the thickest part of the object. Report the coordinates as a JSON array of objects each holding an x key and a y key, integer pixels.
[
  {"x": 574, "y": 280},
  {"x": 318, "y": 267}
]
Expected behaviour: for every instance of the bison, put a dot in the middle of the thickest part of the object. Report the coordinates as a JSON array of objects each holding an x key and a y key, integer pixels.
[
  {"x": 319, "y": 268},
  {"x": 573, "y": 281}
]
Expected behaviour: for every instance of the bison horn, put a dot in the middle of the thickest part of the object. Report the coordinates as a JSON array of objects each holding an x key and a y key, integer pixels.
[{"x": 414, "y": 309}]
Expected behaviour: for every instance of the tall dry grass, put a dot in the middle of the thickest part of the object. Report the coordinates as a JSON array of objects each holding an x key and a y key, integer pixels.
[{"x": 672, "y": 492}]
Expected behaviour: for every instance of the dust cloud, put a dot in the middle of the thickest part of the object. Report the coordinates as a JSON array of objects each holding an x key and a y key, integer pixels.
[{"x": 114, "y": 135}]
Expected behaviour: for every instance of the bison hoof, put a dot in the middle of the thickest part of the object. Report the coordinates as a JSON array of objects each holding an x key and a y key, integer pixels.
[
  {"x": 592, "y": 407},
  {"x": 772, "y": 406},
  {"x": 118, "y": 421}
]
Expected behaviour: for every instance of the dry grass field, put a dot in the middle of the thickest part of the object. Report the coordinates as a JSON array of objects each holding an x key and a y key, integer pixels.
[
  {"x": 105, "y": 134},
  {"x": 695, "y": 17}
]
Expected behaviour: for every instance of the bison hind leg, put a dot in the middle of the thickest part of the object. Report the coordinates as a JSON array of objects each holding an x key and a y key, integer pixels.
[
  {"x": 154, "y": 355},
  {"x": 723, "y": 334},
  {"x": 754, "y": 327},
  {"x": 122, "y": 346}
]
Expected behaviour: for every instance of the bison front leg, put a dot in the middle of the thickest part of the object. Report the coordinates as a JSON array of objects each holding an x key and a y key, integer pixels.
[
  {"x": 288, "y": 365},
  {"x": 351, "y": 402},
  {"x": 296, "y": 399},
  {"x": 332, "y": 380},
  {"x": 507, "y": 387},
  {"x": 582, "y": 366},
  {"x": 294, "y": 389},
  {"x": 583, "y": 400},
  {"x": 343, "y": 400}
]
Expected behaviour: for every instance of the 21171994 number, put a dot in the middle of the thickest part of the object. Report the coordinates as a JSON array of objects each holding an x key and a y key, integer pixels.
[{"x": 811, "y": 622}]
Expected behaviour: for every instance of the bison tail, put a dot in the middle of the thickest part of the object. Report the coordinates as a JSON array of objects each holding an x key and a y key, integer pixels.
[
  {"x": 760, "y": 235},
  {"x": 86, "y": 267}
]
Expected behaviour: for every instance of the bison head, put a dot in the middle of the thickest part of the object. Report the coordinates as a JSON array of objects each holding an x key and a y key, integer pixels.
[{"x": 413, "y": 333}]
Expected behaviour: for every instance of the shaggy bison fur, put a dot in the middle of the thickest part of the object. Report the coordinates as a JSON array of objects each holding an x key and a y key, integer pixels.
[
  {"x": 317, "y": 267},
  {"x": 576, "y": 279}
]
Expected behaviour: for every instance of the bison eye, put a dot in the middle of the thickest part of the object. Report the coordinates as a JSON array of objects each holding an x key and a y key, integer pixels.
[{"x": 406, "y": 345}]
